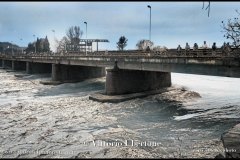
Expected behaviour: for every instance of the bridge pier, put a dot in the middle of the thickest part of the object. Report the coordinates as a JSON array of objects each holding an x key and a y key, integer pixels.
[
  {"x": 120, "y": 81},
  {"x": 1, "y": 63},
  {"x": 65, "y": 73},
  {"x": 18, "y": 65},
  {"x": 7, "y": 64},
  {"x": 32, "y": 68}
]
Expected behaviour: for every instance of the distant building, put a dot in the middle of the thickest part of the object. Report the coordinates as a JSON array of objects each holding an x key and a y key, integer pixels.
[{"x": 41, "y": 45}]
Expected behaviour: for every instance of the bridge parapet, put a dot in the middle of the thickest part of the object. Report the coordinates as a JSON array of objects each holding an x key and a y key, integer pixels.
[
  {"x": 210, "y": 60},
  {"x": 134, "y": 53}
]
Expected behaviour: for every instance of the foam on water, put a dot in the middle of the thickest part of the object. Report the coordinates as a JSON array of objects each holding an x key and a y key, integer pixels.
[
  {"x": 187, "y": 116},
  {"x": 190, "y": 117}
]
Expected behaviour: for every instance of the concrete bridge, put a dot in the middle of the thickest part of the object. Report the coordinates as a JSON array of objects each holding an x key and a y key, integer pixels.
[{"x": 127, "y": 72}]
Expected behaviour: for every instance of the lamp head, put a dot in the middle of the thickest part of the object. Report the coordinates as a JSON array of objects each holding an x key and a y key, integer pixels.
[{"x": 149, "y": 6}]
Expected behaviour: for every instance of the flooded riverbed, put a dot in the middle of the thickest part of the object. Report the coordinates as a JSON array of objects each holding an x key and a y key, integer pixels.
[{"x": 44, "y": 121}]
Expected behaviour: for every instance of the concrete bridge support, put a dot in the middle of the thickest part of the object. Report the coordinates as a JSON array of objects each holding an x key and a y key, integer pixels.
[
  {"x": 66, "y": 73},
  {"x": 7, "y": 64},
  {"x": 3, "y": 63},
  {"x": 32, "y": 68},
  {"x": 119, "y": 81},
  {"x": 18, "y": 65}
]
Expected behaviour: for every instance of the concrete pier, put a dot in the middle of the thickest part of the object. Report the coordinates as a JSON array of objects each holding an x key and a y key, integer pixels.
[
  {"x": 66, "y": 73},
  {"x": 18, "y": 65},
  {"x": 32, "y": 68},
  {"x": 102, "y": 97},
  {"x": 119, "y": 81},
  {"x": 3, "y": 63},
  {"x": 7, "y": 64}
]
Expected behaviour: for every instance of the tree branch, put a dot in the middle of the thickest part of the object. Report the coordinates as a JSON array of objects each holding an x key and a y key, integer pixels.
[{"x": 208, "y": 7}]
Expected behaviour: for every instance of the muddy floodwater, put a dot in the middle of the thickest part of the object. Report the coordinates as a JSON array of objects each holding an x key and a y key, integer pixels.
[{"x": 46, "y": 121}]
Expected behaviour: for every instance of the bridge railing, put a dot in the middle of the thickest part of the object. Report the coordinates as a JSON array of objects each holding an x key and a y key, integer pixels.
[{"x": 133, "y": 53}]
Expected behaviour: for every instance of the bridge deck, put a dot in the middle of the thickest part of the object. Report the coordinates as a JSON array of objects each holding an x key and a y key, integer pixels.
[{"x": 205, "y": 63}]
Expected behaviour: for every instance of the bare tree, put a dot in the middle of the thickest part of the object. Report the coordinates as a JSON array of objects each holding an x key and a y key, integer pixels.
[
  {"x": 62, "y": 44},
  {"x": 232, "y": 30},
  {"x": 74, "y": 34},
  {"x": 144, "y": 44},
  {"x": 122, "y": 43},
  {"x": 208, "y": 7}
]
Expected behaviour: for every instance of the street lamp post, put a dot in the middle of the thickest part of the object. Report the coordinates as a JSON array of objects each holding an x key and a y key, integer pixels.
[
  {"x": 35, "y": 43},
  {"x": 54, "y": 39},
  {"x": 86, "y": 39},
  {"x": 21, "y": 47},
  {"x": 86, "y": 29},
  {"x": 53, "y": 33},
  {"x": 12, "y": 47},
  {"x": 150, "y": 23}
]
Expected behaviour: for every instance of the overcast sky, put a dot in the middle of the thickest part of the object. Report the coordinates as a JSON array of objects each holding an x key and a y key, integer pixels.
[{"x": 173, "y": 23}]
